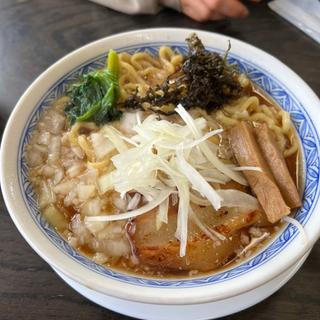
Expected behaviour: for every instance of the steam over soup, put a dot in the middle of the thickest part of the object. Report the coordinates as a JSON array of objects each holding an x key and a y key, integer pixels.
[{"x": 165, "y": 165}]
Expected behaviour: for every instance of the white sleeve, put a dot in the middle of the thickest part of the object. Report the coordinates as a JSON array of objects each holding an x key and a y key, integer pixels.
[{"x": 139, "y": 6}]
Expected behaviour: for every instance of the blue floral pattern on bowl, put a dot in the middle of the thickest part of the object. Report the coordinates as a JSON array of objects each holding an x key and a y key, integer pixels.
[{"x": 281, "y": 94}]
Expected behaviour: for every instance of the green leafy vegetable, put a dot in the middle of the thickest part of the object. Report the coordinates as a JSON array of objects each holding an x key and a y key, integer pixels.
[{"x": 94, "y": 97}]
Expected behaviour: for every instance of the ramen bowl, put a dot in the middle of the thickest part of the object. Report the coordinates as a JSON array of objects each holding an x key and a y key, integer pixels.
[{"x": 206, "y": 296}]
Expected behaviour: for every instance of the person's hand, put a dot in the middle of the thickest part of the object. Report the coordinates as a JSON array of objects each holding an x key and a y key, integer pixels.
[{"x": 204, "y": 10}]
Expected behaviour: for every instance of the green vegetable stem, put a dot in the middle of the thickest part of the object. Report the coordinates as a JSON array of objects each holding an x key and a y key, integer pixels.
[{"x": 94, "y": 97}]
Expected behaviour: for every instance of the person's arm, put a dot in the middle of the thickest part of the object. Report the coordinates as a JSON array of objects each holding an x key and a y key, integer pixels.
[{"x": 139, "y": 6}]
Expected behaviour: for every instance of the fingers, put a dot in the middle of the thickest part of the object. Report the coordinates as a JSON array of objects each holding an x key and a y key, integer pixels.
[
  {"x": 229, "y": 8},
  {"x": 204, "y": 10},
  {"x": 215, "y": 16},
  {"x": 199, "y": 11}
]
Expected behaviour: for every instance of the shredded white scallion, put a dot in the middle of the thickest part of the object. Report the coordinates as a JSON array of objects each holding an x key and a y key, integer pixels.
[
  {"x": 163, "y": 159},
  {"x": 186, "y": 117},
  {"x": 253, "y": 243},
  {"x": 130, "y": 141},
  {"x": 299, "y": 226},
  {"x": 197, "y": 181},
  {"x": 134, "y": 201},
  {"x": 183, "y": 211},
  {"x": 113, "y": 136},
  {"x": 193, "y": 143},
  {"x": 199, "y": 200}
]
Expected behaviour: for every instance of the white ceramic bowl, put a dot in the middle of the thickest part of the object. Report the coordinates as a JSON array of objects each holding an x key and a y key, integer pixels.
[
  {"x": 282, "y": 253},
  {"x": 201, "y": 311}
]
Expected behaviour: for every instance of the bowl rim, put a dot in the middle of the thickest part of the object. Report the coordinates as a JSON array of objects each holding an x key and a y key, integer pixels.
[{"x": 74, "y": 270}]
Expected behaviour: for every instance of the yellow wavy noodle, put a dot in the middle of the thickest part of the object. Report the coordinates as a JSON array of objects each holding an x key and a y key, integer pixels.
[
  {"x": 141, "y": 70},
  {"x": 225, "y": 120},
  {"x": 244, "y": 80},
  {"x": 74, "y": 132},
  {"x": 84, "y": 142},
  {"x": 198, "y": 112},
  {"x": 250, "y": 109},
  {"x": 85, "y": 145},
  {"x": 143, "y": 60},
  {"x": 99, "y": 165},
  {"x": 268, "y": 111}
]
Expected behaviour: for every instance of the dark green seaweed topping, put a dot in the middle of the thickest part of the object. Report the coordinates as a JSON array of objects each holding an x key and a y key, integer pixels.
[
  {"x": 94, "y": 97},
  {"x": 205, "y": 80}
]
